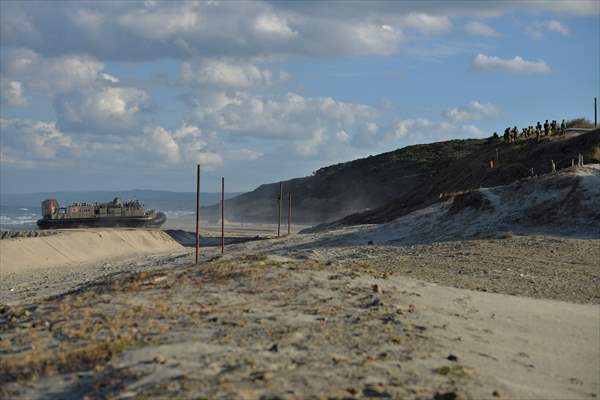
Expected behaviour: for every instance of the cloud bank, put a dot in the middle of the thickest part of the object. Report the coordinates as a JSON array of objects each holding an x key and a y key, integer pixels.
[{"x": 516, "y": 65}]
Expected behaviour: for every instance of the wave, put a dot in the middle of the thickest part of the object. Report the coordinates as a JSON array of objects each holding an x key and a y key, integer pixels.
[
  {"x": 26, "y": 220},
  {"x": 178, "y": 213}
]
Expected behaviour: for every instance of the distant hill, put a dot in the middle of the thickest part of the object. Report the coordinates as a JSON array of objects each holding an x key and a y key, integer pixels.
[
  {"x": 338, "y": 190},
  {"x": 158, "y": 199},
  {"x": 473, "y": 172},
  {"x": 380, "y": 188}
]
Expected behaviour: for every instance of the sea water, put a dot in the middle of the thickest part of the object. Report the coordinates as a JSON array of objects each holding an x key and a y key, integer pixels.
[{"x": 19, "y": 217}]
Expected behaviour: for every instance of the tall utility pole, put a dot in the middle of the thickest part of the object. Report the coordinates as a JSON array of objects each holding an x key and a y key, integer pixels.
[
  {"x": 197, "y": 209},
  {"x": 289, "y": 212},
  {"x": 222, "y": 215},
  {"x": 279, "y": 199}
]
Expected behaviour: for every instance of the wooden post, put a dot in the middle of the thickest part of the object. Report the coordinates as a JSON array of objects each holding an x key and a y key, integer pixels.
[
  {"x": 289, "y": 212},
  {"x": 222, "y": 215},
  {"x": 279, "y": 209},
  {"x": 197, "y": 209},
  {"x": 595, "y": 111}
]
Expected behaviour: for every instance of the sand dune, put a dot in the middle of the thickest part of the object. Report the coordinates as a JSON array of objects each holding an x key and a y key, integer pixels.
[
  {"x": 75, "y": 247},
  {"x": 362, "y": 311}
]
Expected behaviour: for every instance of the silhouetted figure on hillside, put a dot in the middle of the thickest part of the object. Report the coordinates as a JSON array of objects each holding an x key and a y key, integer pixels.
[{"x": 546, "y": 128}]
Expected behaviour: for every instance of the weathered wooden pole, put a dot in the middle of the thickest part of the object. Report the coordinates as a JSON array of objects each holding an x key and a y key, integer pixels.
[
  {"x": 222, "y": 215},
  {"x": 289, "y": 212},
  {"x": 197, "y": 209},
  {"x": 595, "y": 111},
  {"x": 279, "y": 209}
]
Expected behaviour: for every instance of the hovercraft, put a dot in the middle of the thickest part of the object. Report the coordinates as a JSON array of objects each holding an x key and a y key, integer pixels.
[{"x": 116, "y": 213}]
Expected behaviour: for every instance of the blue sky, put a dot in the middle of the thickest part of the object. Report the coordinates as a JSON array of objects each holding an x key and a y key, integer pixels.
[{"x": 109, "y": 95}]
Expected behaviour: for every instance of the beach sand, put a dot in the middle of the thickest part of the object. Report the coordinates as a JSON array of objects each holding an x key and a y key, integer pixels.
[
  {"x": 307, "y": 316},
  {"x": 494, "y": 298}
]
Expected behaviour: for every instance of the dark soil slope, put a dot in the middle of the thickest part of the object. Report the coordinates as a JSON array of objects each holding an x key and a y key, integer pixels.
[
  {"x": 473, "y": 171},
  {"x": 338, "y": 190},
  {"x": 381, "y": 188}
]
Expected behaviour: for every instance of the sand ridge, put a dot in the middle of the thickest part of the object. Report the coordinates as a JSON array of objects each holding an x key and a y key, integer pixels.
[{"x": 71, "y": 247}]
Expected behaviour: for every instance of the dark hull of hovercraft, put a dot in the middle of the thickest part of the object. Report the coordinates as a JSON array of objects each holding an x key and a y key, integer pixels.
[{"x": 104, "y": 222}]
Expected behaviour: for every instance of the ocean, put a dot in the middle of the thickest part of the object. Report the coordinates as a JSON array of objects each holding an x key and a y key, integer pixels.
[{"x": 15, "y": 217}]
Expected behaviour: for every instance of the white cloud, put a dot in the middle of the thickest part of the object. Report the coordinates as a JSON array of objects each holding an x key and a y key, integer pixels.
[
  {"x": 568, "y": 7},
  {"x": 160, "y": 23},
  {"x": 366, "y": 38},
  {"x": 307, "y": 123},
  {"x": 472, "y": 111},
  {"x": 412, "y": 126},
  {"x": 538, "y": 29},
  {"x": 28, "y": 140},
  {"x": 160, "y": 142},
  {"x": 243, "y": 155},
  {"x": 273, "y": 25},
  {"x": 310, "y": 147},
  {"x": 557, "y": 26},
  {"x": 426, "y": 23},
  {"x": 423, "y": 130},
  {"x": 28, "y": 143},
  {"x": 515, "y": 65},
  {"x": 185, "y": 144},
  {"x": 223, "y": 73},
  {"x": 109, "y": 110},
  {"x": 289, "y": 116},
  {"x": 209, "y": 160},
  {"x": 535, "y": 33},
  {"x": 110, "y": 78},
  {"x": 473, "y": 130},
  {"x": 480, "y": 29},
  {"x": 11, "y": 93},
  {"x": 58, "y": 74},
  {"x": 342, "y": 136},
  {"x": 187, "y": 30}
]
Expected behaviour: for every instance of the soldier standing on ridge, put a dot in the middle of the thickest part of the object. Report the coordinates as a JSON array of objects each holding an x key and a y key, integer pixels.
[
  {"x": 546, "y": 128},
  {"x": 507, "y": 135},
  {"x": 515, "y": 133},
  {"x": 563, "y": 128}
]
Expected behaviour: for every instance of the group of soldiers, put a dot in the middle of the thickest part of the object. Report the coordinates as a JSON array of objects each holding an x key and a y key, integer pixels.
[{"x": 511, "y": 135}]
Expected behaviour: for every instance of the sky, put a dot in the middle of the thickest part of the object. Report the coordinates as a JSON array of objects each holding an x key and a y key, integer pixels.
[{"x": 108, "y": 95}]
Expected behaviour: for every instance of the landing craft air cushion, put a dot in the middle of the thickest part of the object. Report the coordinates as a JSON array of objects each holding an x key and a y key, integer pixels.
[{"x": 116, "y": 213}]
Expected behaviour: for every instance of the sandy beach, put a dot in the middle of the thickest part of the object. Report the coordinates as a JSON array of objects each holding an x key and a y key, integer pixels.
[
  {"x": 293, "y": 318},
  {"x": 438, "y": 304}
]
